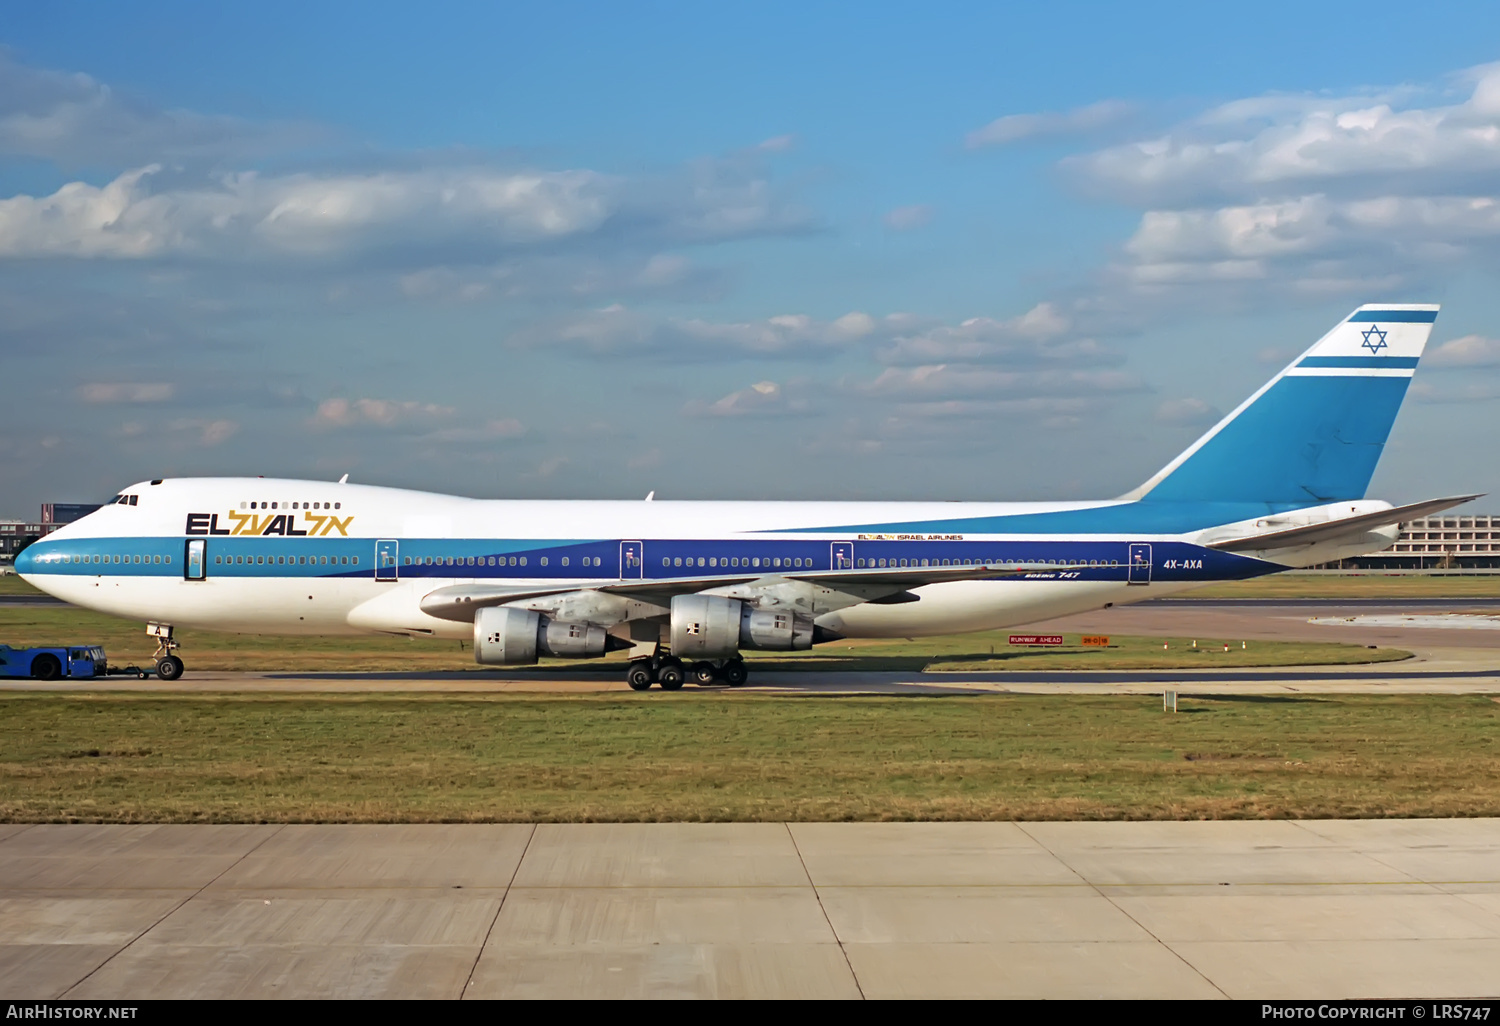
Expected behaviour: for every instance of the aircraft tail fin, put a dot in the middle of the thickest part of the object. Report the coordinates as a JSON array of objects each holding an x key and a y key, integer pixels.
[{"x": 1314, "y": 432}]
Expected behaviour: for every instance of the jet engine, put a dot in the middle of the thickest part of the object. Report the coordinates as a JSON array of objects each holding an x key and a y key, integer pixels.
[
  {"x": 714, "y": 627},
  {"x": 504, "y": 636}
]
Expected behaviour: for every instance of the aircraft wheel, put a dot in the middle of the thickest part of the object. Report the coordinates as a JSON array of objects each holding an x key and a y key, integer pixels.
[
  {"x": 46, "y": 667},
  {"x": 639, "y": 675},
  {"x": 735, "y": 673},
  {"x": 703, "y": 673},
  {"x": 670, "y": 677},
  {"x": 169, "y": 668}
]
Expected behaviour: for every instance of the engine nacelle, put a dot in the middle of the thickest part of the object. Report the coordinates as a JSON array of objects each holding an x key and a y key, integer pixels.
[
  {"x": 714, "y": 627},
  {"x": 508, "y": 637}
]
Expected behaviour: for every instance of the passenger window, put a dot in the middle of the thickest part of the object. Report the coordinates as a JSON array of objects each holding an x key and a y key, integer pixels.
[
  {"x": 544, "y": 561},
  {"x": 565, "y": 561},
  {"x": 523, "y": 560}
]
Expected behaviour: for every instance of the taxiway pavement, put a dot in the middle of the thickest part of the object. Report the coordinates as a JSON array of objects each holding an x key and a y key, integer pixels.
[{"x": 1281, "y": 909}]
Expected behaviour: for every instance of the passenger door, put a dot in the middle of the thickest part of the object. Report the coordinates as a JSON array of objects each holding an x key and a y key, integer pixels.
[
  {"x": 841, "y": 556},
  {"x": 195, "y": 565},
  {"x": 387, "y": 556},
  {"x": 1140, "y": 563},
  {"x": 632, "y": 564}
]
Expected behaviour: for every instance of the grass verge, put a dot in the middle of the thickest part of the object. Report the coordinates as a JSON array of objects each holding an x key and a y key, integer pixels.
[
  {"x": 126, "y": 643},
  {"x": 701, "y": 756}
]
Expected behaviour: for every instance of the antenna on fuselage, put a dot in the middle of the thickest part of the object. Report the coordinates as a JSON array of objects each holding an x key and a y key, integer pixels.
[
  {"x": 344, "y": 479},
  {"x": 650, "y": 495}
]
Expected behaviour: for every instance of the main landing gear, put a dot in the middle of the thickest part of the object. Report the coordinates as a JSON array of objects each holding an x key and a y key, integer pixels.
[
  {"x": 670, "y": 672},
  {"x": 168, "y": 666}
]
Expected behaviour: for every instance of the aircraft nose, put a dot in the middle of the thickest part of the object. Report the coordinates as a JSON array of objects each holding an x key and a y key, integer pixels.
[{"x": 26, "y": 561}]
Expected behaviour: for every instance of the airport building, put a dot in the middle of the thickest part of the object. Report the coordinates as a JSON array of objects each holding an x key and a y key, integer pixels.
[
  {"x": 1444, "y": 541},
  {"x": 15, "y": 535}
]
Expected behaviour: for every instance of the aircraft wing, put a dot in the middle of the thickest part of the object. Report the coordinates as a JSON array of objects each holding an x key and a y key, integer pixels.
[
  {"x": 1337, "y": 528},
  {"x": 883, "y": 584}
]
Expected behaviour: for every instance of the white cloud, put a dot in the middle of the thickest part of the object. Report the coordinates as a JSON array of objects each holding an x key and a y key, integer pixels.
[
  {"x": 490, "y": 431},
  {"x": 473, "y": 213},
  {"x": 762, "y": 399},
  {"x": 339, "y": 413},
  {"x": 1013, "y": 128},
  {"x": 304, "y": 214},
  {"x": 942, "y": 381},
  {"x": 1192, "y": 412},
  {"x": 1031, "y": 338},
  {"x": 125, "y": 392},
  {"x": 1290, "y": 145},
  {"x": 1317, "y": 194},
  {"x": 573, "y": 277},
  {"x": 947, "y": 417},
  {"x": 1468, "y": 351},
  {"x": 1436, "y": 394},
  {"x": 905, "y": 219},
  {"x": 206, "y": 433},
  {"x": 616, "y": 328},
  {"x": 1363, "y": 236},
  {"x": 72, "y": 118}
]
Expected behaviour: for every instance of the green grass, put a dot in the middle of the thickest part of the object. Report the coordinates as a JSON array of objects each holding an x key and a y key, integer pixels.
[
  {"x": 11, "y": 584},
  {"x": 990, "y": 651},
  {"x": 723, "y": 756},
  {"x": 126, "y": 642}
]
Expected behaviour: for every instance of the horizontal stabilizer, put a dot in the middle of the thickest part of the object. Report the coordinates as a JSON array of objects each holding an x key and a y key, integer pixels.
[{"x": 1334, "y": 529}]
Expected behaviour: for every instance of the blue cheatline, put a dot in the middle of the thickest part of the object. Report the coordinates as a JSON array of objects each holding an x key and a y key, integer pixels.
[
  {"x": 1396, "y": 316},
  {"x": 1360, "y": 362}
]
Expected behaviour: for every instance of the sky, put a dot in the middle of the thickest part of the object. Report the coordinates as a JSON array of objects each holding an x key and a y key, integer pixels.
[{"x": 790, "y": 251}]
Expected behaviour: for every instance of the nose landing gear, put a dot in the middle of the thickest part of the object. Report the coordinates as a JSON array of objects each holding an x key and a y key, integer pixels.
[{"x": 168, "y": 666}]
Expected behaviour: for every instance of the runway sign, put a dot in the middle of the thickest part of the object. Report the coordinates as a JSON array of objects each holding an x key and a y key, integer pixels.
[
  {"x": 1036, "y": 639},
  {"x": 1097, "y": 640}
]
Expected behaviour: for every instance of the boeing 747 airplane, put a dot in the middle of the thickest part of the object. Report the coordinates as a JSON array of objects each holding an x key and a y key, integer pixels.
[{"x": 1278, "y": 483}]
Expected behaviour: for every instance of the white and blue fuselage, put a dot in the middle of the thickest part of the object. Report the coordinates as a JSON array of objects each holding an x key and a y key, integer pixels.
[
  {"x": 273, "y": 556},
  {"x": 1278, "y": 483}
]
